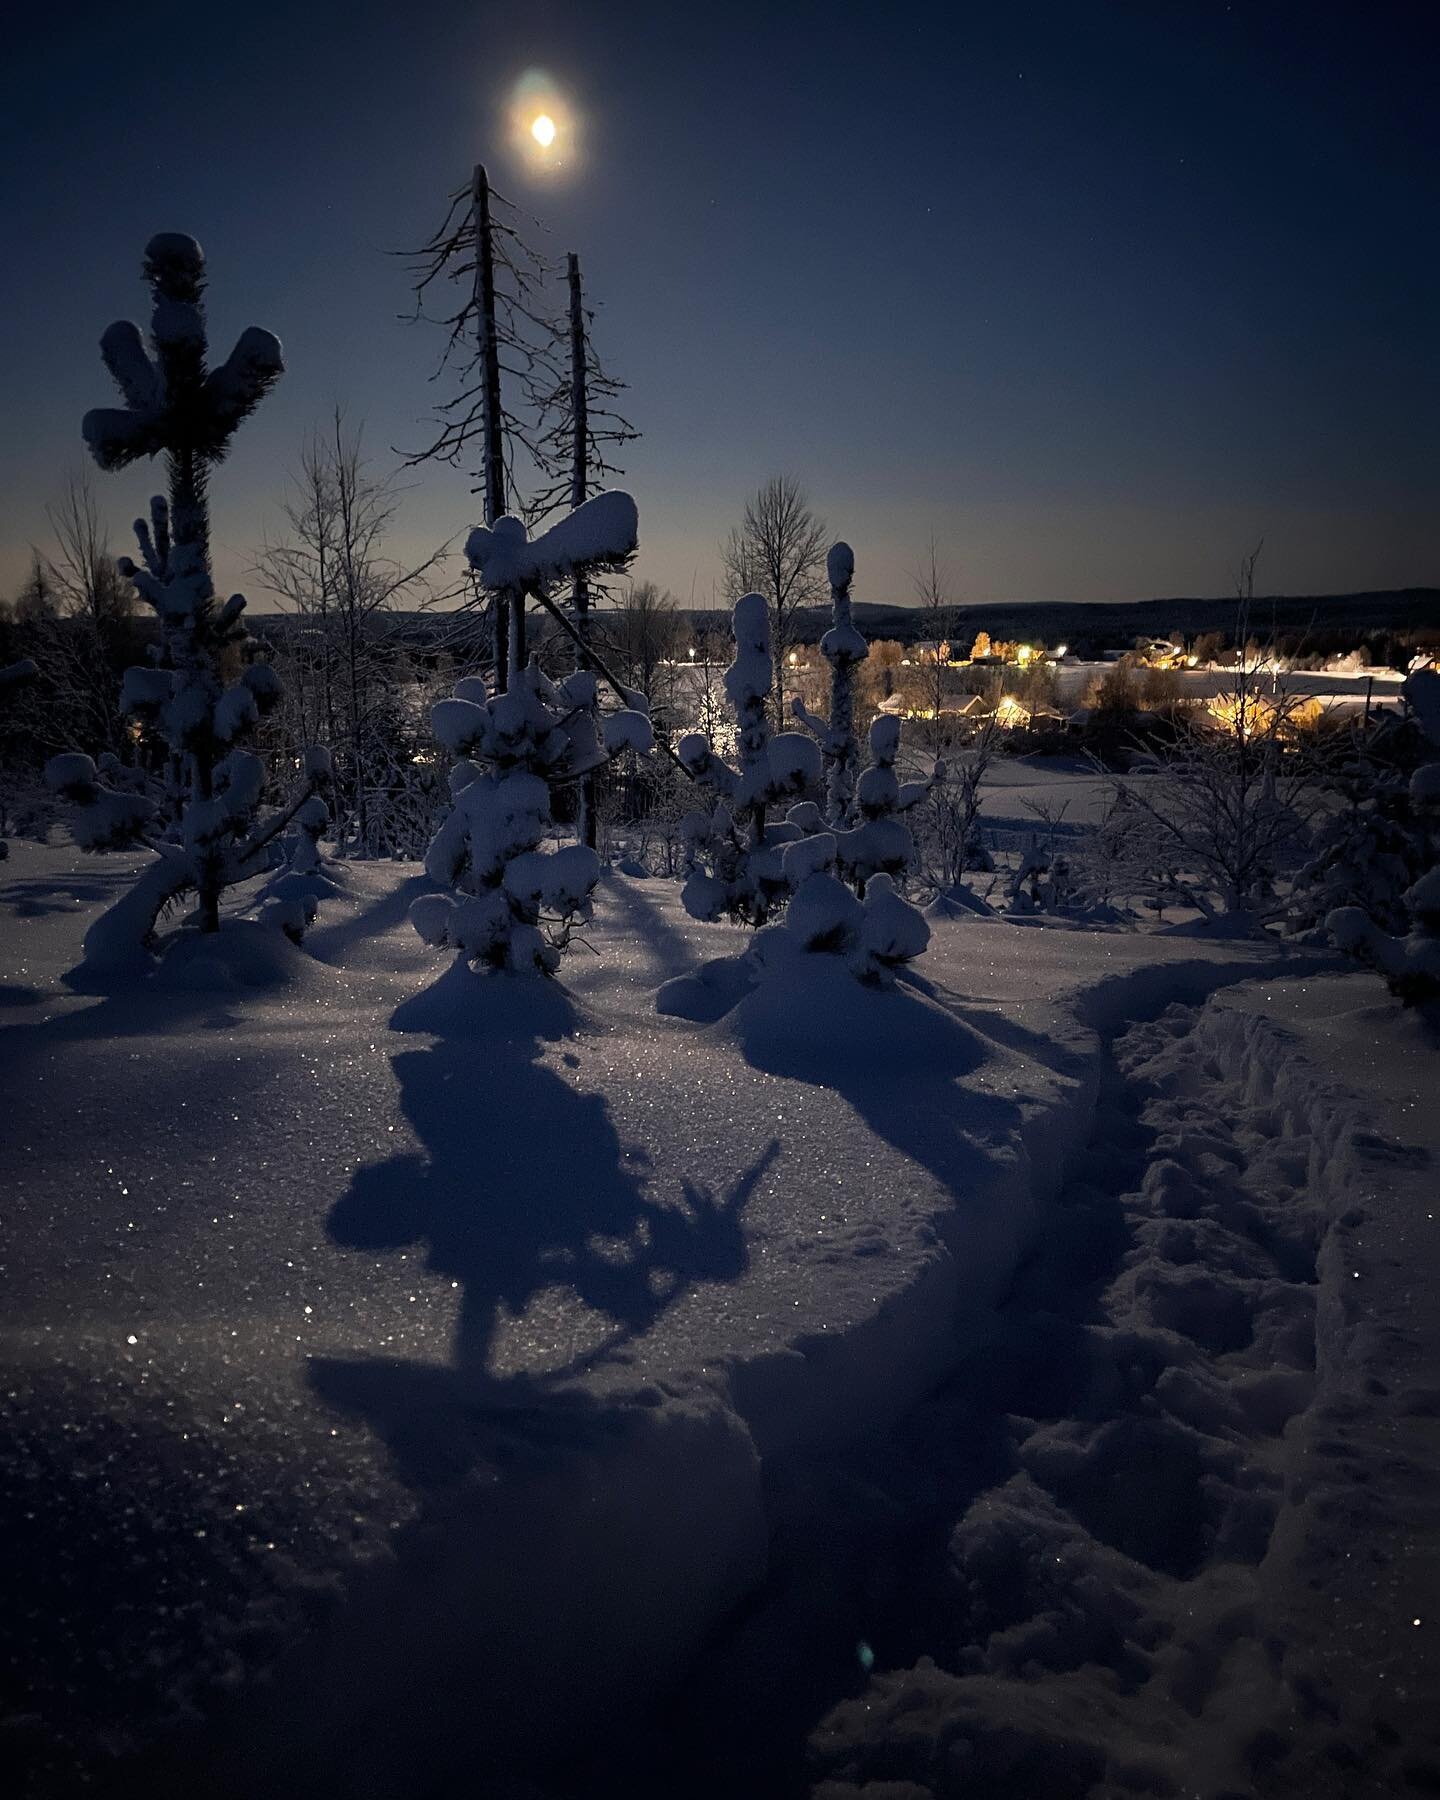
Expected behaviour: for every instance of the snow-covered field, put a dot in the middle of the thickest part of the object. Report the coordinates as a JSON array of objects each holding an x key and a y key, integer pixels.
[
  {"x": 1018, "y": 1383},
  {"x": 1338, "y": 693}
]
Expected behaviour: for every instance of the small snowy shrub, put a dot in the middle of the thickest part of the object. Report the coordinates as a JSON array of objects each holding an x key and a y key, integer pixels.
[
  {"x": 12, "y": 679},
  {"x": 1410, "y": 962},
  {"x": 1367, "y": 855},
  {"x": 875, "y": 937},
  {"x": 291, "y": 898},
  {"x": 176, "y": 405}
]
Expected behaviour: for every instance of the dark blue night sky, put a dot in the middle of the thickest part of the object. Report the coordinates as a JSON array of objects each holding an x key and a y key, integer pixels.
[{"x": 1096, "y": 293}]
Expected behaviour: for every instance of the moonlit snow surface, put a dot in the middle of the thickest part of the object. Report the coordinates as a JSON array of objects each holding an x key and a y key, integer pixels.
[{"x": 407, "y": 1372}]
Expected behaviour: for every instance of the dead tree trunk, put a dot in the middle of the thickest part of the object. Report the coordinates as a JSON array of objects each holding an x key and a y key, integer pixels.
[
  {"x": 493, "y": 439},
  {"x": 579, "y": 454}
]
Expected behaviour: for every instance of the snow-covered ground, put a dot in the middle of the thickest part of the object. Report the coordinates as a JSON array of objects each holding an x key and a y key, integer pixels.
[
  {"x": 408, "y": 1373},
  {"x": 1020, "y": 791},
  {"x": 1338, "y": 693}
]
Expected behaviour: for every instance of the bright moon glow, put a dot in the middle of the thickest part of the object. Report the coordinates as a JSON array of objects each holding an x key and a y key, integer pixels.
[{"x": 544, "y": 128}]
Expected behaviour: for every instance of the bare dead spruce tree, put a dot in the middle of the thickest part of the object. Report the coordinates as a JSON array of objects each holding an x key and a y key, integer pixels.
[
  {"x": 498, "y": 332},
  {"x": 581, "y": 429}
]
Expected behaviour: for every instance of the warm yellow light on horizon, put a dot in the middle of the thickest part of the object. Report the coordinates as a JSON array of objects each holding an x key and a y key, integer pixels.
[{"x": 542, "y": 130}]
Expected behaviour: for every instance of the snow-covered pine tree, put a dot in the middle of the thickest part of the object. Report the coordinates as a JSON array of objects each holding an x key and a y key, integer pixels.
[
  {"x": 874, "y": 926},
  {"x": 745, "y": 878},
  {"x": 175, "y": 404},
  {"x": 517, "y": 903},
  {"x": 880, "y": 843},
  {"x": 1410, "y": 964}
]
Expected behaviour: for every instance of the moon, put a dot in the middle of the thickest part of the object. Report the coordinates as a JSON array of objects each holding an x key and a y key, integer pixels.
[{"x": 543, "y": 131}]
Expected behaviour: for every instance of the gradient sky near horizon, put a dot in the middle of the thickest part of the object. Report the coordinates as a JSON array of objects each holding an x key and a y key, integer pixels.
[{"x": 1097, "y": 294}]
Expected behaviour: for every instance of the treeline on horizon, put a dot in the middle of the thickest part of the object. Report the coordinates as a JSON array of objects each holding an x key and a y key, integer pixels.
[{"x": 1319, "y": 624}]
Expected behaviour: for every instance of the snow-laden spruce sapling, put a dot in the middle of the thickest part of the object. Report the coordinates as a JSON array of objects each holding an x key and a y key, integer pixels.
[
  {"x": 844, "y": 649},
  {"x": 1409, "y": 963},
  {"x": 516, "y": 903},
  {"x": 744, "y": 879},
  {"x": 291, "y": 898},
  {"x": 862, "y": 814},
  {"x": 176, "y": 405},
  {"x": 754, "y": 867}
]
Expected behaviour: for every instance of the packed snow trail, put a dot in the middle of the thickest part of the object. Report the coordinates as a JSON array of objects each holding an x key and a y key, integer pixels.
[{"x": 1172, "y": 1528}]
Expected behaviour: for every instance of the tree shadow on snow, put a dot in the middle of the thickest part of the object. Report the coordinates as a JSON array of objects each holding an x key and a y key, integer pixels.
[
  {"x": 523, "y": 1186},
  {"x": 903, "y": 1062},
  {"x": 37, "y": 896},
  {"x": 988, "y": 1019},
  {"x": 648, "y": 924},
  {"x": 330, "y": 942}
]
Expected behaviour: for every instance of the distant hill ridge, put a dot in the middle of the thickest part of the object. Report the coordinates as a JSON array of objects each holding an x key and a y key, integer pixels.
[
  {"x": 1120, "y": 621},
  {"x": 1086, "y": 626}
]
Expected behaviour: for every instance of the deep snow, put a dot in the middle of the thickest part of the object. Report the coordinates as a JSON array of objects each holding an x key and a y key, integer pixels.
[{"x": 401, "y": 1366}]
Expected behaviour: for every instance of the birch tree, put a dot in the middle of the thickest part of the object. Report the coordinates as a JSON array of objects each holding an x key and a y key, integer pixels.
[
  {"x": 777, "y": 550},
  {"x": 333, "y": 568}
]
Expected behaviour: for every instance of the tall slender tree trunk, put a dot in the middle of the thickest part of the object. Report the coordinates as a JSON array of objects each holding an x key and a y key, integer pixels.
[
  {"x": 518, "y": 653},
  {"x": 589, "y": 823},
  {"x": 184, "y": 373},
  {"x": 357, "y": 773},
  {"x": 493, "y": 422}
]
